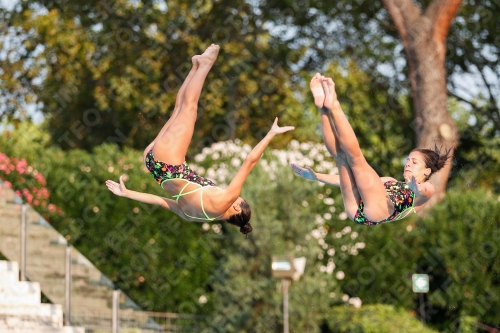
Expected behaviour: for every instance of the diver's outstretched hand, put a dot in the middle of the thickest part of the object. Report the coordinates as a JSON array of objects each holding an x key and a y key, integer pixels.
[
  {"x": 275, "y": 129},
  {"x": 306, "y": 173},
  {"x": 414, "y": 186},
  {"x": 118, "y": 189}
]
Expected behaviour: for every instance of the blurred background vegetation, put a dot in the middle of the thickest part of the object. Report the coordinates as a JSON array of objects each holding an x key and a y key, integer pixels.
[{"x": 86, "y": 85}]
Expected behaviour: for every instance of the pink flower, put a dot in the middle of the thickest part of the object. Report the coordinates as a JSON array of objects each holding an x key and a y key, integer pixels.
[
  {"x": 7, "y": 184},
  {"x": 43, "y": 193},
  {"x": 36, "y": 202},
  {"x": 21, "y": 166},
  {"x": 40, "y": 179},
  {"x": 29, "y": 197},
  {"x": 52, "y": 208},
  {"x": 18, "y": 193}
]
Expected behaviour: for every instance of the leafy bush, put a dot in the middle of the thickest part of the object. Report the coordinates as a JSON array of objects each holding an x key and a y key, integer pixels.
[{"x": 374, "y": 319}]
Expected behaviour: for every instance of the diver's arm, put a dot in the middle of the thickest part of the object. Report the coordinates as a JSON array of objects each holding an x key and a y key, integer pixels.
[
  {"x": 121, "y": 191},
  {"x": 234, "y": 188},
  {"x": 310, "y": 174}
]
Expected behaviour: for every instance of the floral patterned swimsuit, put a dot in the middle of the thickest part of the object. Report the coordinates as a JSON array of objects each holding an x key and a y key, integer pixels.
[
  {"x": 163, "y": 172},
  {"x": 401, "y": 196}
]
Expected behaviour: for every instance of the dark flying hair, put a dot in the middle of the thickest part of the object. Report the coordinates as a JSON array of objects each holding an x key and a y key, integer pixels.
[
  {"x": 435, "y": 159},
  {"x": 241, "y": 219}
]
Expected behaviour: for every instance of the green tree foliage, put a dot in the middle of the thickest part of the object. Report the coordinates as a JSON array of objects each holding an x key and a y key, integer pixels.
[
  {"x": 374, "y": 319},
  {"x": 245, "y": 295},
  {"x": 474, "y": 51},
  {"x": 363, "y": 31},
  {"x": 457, "y": 245},
  {"x": 110, "y": 70},
  {"x": 165, "y": 264},
  {"x": 146, "y": 250}
]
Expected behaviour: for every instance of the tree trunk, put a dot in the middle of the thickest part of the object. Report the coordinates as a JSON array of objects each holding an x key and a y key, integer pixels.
[{"x": 423, "y": 36}]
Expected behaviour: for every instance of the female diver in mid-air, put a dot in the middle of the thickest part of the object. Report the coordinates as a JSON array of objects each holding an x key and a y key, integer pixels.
[
  {"x": 196, "y": 198},
  {"x": 368, "y": 198}
]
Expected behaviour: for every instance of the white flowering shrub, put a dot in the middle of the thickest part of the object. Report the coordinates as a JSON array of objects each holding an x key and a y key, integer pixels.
[
  {"x": 221, "y": 161},
  {"x": 290, "y": 215}
]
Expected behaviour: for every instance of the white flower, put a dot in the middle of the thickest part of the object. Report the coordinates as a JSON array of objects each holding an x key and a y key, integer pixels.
[
  {"x": 356, "y": 302},
  {"x": 330, "y": 267},
  {"x": 211, "y": 173},
  {"x": 340, "y": 275},
  {"x": 305, "y": 146},
  {"x": 329, "y": 201},
  {"x": 316, "y": 233},
  {"x": 235, "y": 162},
  {"x": 217, "y": 228},
  {"x": 343, "y": 215},
  {"x": 294, "y": 144}
]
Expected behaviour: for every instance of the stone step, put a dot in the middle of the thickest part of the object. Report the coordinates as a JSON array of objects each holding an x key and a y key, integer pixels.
[
  {"x": 29, "y": 317},
  {"x": 73, "y": 329},
  {"x": 6, "y": 194},
  {"x": 9, "y": 272},
  {"x": 99, "y": 304},
  {"x": 20, "y": 293},
  {"x": 65, "y": 329}
]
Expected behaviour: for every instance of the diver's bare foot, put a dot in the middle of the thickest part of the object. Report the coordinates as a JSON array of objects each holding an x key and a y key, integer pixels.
[
  {"x": 209, "y": 56},
  {"x": 195, "y": 61},
  {"x": 317, "y": 90},
  {"x": 330, "y": 94}
]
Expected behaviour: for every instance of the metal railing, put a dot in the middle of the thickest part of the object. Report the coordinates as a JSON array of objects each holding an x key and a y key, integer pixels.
[{"x": 45, "y": 257}]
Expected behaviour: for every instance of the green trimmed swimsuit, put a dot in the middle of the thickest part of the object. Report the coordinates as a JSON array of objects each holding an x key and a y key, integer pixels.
[{"x": 163, "y": 172}]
